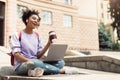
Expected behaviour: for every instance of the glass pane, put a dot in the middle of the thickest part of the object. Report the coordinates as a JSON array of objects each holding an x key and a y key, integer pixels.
[
  {"x": 20, "y": 10},
  {"x": 68, "y": 2},
  {"x": 46, "y": 17},
  {"x": 67, "y": 20}
]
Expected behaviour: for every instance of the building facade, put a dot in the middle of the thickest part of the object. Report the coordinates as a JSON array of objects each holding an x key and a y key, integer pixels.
[{"x": 75, "y": 21}]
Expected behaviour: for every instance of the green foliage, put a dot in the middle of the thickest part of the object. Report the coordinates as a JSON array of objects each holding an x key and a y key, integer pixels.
[
  {"x": 105, "y": 41},
  {"x": 114, "y": 10},
  {"x": 116, "y": 46}
]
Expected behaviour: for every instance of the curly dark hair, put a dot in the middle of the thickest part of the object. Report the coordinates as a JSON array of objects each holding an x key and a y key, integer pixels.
[{"x": 27, "y": 13}]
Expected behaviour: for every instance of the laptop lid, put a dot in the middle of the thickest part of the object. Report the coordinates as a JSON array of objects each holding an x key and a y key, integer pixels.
[{"x": 56, "y": 52}]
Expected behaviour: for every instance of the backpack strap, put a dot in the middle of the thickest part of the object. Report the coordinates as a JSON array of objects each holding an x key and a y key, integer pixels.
[
  {"x": 19, "y": 35},
  {"x": 37, "y": 38},
  {"x": 37, "y": 35}
]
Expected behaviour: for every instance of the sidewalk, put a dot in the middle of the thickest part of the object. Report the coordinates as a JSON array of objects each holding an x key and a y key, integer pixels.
[{"x": 85, "y": 75}]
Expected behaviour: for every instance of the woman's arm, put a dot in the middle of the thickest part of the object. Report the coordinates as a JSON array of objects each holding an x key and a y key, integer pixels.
[
  {"x": 20, "y": 57},
  {"x": 40, "y": 53},
  {"x": 16, "y": 49}
]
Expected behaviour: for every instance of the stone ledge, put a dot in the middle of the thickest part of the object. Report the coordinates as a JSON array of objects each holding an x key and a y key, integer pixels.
[
  {"x": 83, "y": 58},
  {"x": 93, "y": 58},
  {"x": 102, "y": 63}
]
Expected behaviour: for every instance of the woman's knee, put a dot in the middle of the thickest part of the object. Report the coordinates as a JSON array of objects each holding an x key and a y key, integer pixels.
[
  {"x": 38, "y": 63},
  {"x": 21, "y": 70},
  {"x": 61, "y": 64}
]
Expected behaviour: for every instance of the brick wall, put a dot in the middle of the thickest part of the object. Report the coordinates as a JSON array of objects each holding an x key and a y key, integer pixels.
[
  {"x": 82, "y": 36},
  {"x": 89, "y": 34}
]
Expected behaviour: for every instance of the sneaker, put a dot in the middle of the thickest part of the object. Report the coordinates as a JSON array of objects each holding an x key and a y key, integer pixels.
[
  {"x": 37, "y": 72},
  {"x": 71, "y": 70}
]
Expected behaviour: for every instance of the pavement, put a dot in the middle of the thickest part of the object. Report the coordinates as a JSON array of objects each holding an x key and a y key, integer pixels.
[
  {"x": 85, "y": 74},
  {"x": 85, "y": 77}
]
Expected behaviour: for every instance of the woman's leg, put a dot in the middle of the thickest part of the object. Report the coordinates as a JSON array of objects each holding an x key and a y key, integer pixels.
[
  {"x": 48, "y": 68},
  {"x": 60, "y": 64},
  {"x": 24, "y": 67}
]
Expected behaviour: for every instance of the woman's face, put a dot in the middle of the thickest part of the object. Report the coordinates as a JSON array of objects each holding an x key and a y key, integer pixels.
[{"x": 33, "y": 21}]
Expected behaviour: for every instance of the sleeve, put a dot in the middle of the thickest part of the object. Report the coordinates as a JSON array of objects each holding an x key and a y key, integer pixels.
[
  {"x": 15, "y": 43},
  {"x": 39, "y": 44}
]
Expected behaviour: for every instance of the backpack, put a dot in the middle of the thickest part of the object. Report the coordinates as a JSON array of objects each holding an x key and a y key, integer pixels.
[{"x": 19, "y": 36}]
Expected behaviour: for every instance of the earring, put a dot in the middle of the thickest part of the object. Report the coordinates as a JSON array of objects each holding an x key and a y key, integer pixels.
[{"x": 26, "y": 20}]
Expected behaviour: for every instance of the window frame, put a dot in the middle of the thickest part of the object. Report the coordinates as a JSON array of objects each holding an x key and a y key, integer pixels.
[
  {"x": 48, "y": 19},
  {"x": 69, "y": 23}
]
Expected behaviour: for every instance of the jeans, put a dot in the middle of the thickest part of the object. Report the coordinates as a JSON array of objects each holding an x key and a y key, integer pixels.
[{"x": 49, "y": 67}]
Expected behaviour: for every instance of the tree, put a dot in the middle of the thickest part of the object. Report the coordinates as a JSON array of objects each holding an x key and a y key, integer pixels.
[
  {"x": 105, "y": 41},
  {"x": 115, "y": 14}
]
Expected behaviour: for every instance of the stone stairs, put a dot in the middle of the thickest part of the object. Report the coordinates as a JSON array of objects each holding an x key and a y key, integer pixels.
[{"x": 100, "y": 62}]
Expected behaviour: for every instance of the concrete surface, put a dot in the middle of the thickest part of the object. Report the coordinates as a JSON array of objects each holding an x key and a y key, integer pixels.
[
  {"x": 84, "y": 75},
  {"x": 6, "y": 71}
]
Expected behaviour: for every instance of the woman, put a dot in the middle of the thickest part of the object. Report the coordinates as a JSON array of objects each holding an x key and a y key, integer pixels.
[{"x": 28, "y": 50}]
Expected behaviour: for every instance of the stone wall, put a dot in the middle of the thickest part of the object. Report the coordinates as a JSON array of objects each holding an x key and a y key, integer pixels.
[{"x": 102, "y": 63}]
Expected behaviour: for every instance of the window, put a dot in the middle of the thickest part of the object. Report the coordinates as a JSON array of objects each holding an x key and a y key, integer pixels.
[
  {"x": 68, "y": 2},
  {"x": 20, "y": 10},
  {"x": 46, "y": 17},
  {"x": 67, "y": 21}
]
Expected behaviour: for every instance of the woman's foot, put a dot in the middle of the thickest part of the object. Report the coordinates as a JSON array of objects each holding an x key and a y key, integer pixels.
[
  {"x": 37, "y": 72},
  {"x": 69, "y": 70},
  {"x": 62, "y": 71}
]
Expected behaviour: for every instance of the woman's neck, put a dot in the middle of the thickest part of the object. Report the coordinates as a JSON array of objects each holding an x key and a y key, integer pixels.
[{"x": 28, "y": 31}]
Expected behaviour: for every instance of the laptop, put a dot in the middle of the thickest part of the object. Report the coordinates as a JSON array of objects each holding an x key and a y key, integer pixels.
[{"x": 56, "y": 52}]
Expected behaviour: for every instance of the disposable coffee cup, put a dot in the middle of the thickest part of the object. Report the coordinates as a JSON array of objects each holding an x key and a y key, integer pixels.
[{"x": 53, "y": 37}]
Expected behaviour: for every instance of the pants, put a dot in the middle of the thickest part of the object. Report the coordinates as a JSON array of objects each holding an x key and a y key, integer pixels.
[{"x": 49, "y": 67}]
